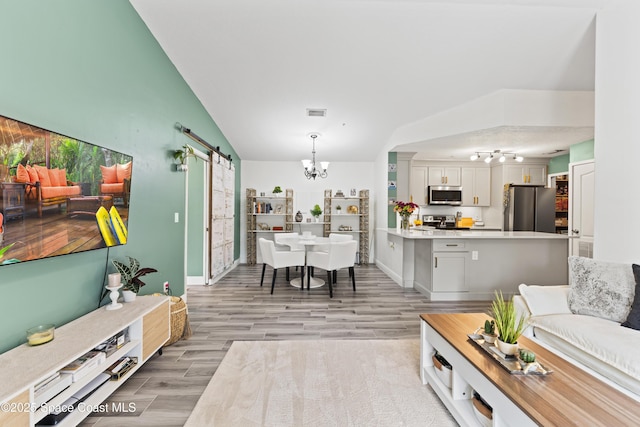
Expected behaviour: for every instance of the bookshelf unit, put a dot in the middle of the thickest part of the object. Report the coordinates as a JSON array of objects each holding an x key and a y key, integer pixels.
[
  {"x": 358, "y": 221},
  {"x": 147, "y": 320},
  {"x": 263, "y": 214}
]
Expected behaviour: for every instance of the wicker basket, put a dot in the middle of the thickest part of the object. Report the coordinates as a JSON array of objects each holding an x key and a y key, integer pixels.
[{"x": 180, "y": 327}]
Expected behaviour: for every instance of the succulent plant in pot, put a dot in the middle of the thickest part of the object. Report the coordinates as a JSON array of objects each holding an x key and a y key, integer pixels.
[
  {"x": 130, "y": 275},
  {"x": 489, "y": 331},
  {"x": 508, "y": 324}
]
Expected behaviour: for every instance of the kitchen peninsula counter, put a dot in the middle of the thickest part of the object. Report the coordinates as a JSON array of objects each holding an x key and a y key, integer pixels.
[
  {"x": 475, "y": 234},
  {"x": 472, "y": 264}
]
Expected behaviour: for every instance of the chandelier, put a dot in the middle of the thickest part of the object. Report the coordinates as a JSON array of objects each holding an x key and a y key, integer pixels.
[
  {"x": 501, "y": 155},
  {"x": 310, "y": 170}
]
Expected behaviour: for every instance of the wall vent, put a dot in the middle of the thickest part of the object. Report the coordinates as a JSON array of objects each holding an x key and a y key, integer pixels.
[{"x": 316, "y": 112}]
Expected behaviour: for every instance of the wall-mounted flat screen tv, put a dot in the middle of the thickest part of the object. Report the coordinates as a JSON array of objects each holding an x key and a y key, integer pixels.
[{"x": 59, "y": 195}]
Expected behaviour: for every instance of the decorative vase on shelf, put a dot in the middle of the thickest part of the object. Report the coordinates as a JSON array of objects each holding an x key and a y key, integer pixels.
[
  {"x": 404, "y": 223},
  {"x": 299, "y": 216}
]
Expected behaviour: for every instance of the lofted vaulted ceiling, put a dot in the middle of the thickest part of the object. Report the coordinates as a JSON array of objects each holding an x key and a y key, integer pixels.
[{"x": 376, "y": 66}]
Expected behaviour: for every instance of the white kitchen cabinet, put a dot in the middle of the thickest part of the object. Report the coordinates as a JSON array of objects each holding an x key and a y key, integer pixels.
[
  {"x": 449, "y": 272},
  {"x": 449, "y": 266},
  {"x": 418, "y": 184},
  {"x": 526, "y": 174},
  {"x": 476, "y": 186},
  {"x": 444, "y": 176}
]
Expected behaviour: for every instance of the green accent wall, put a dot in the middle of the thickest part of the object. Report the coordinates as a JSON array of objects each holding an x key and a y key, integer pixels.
[
  {"x": 577, "y": 153},
  {"x": 559, "y": 164},
  {"x": 392, "y": 193},
  {"x": 93, "y": 71},
  {"x": 582, "y": 151}
]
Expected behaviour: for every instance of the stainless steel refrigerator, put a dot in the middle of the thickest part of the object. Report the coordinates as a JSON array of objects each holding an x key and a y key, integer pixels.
[{"x": 530, "y": 208}]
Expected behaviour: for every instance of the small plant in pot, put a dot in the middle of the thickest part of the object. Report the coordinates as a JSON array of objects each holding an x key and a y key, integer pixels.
[
  {"x": 182, "y": 156},
  {"x": 489, "y": 331},
  {"x": 277, "y": 190},
  {"x": 316, "y": 212},
  {"x": 130, "y": 275},
  {"x": 508, "y": 324}
]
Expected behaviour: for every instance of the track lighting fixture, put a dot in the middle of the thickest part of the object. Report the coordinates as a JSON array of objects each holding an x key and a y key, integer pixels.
[{"x": 502, "y": 156}]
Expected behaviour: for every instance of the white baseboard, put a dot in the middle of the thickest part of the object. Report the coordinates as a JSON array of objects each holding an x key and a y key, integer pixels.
[
  {"x": 195, "y": 281},
  {"x": 392, "y": 274},
  {"x": 200, "y": 280},
  {"x": 422, "y": 289}
]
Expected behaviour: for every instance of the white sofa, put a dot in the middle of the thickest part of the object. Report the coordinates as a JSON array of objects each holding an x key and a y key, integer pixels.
[{"x": 582, "y": 321}]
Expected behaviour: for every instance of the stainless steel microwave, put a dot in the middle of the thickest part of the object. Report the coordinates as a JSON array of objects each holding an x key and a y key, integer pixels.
[{"x": 444, "y": 195}]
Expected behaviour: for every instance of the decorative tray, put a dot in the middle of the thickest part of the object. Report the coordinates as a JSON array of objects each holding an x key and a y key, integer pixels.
[{"x": 512, "y": 364}]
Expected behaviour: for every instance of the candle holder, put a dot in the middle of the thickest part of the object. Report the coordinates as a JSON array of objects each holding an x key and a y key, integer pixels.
[{"x": 114, "y": 294}]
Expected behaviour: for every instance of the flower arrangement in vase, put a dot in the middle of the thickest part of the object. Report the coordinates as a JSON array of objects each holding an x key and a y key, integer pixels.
[
  {"x": 508, "y": 324},
  {"x": 405, "y": 209}
]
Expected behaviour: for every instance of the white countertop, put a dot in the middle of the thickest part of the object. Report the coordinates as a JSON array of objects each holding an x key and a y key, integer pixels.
[{"x": 475, "y": 234}]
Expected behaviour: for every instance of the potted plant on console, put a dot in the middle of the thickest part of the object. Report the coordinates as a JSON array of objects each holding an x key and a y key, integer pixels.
[
  {"x": 130, "y": 275},
  {"x": 277, "y": 190},
  {"x": 509, "y": 327}
]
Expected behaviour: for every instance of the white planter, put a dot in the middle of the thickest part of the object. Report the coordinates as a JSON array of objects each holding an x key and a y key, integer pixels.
[
  {"x": 508, "y": 349},
  {"x": 129, "y": 296},
  {"x": 491, "y": 339}
]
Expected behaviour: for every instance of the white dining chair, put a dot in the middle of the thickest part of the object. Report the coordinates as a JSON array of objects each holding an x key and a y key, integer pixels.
[
  {"x": 333, "y": 237},
  {"x": 285, "y": 242},
  {"x": 279, "y": 259},
  {"x": 340, "y": 255}
]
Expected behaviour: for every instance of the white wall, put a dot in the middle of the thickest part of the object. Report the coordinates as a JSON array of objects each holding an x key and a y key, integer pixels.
[
  {"x": 617, "y": 133},
  {"x": 264, "y": 176}
]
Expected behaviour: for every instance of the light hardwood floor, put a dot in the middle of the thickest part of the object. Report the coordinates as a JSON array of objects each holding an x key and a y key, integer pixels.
[{"x": 167, "y": 387}]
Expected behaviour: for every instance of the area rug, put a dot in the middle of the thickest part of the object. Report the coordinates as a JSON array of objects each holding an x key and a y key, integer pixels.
[{"x": 320, "y": 383}]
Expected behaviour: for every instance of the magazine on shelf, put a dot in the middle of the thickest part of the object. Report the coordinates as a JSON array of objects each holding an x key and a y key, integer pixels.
[{"x": 79, "y": 367}]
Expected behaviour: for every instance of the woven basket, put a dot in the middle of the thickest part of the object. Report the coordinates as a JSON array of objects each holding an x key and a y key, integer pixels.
[{"x": 180, "y": 327}]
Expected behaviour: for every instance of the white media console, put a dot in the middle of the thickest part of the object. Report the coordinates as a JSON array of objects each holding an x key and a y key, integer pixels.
[{"x": 148, "y": 323}]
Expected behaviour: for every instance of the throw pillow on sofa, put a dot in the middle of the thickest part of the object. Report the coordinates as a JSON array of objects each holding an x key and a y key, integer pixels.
[
  {"x": 542, "y": 300},
  {"x": 109, "y": 174},
  {"x": 633, "y": 321},
  {"x": 601, "y": 289}
]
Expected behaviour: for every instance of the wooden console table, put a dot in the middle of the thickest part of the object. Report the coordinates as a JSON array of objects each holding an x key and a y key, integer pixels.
[{"x": 568, "y": 396}]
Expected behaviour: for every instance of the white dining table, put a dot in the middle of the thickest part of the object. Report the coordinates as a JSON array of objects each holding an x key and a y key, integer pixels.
[{"x": 294, "y": 242}]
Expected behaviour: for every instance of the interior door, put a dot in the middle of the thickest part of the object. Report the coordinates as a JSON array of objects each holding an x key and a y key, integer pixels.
[{"x": 581, "y": 188}]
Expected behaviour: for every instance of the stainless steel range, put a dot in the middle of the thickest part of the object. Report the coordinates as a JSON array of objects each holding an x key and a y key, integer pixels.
[{"x": 441, "y": 221}]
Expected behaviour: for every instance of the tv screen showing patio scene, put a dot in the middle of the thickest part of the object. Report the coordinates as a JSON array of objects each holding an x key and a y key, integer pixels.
[{"x": 59, "y": 195}]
